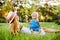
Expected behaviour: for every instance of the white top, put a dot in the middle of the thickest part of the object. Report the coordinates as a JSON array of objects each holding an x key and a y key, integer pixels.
[{"x": 9, "y": 15}]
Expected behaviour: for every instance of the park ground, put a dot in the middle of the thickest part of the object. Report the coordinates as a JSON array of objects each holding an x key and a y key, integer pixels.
[{"x": 5, "y": 32}]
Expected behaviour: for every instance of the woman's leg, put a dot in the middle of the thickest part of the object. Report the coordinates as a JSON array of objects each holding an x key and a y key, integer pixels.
[{"x": 51, "y": 30}]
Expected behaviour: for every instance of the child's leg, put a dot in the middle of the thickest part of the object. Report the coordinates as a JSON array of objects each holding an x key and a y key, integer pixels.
[
  {"x": 32, "y": 31},
  {"x": 39, "y": 31}
]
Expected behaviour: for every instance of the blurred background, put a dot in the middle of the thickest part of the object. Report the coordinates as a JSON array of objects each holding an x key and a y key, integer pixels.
[
  {"x": 48, "y": 15},
  {"x": 48, "y": 10}
]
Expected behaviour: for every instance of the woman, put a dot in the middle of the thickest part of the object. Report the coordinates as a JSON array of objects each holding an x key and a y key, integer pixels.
[{"x": 13, "y": 19}]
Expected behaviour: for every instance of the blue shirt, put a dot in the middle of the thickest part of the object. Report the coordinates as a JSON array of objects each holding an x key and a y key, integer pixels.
[{"x": 34, "y": 25}]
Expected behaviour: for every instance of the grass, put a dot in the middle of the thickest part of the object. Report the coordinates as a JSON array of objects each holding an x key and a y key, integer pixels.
[{"x": 5, "y": 33}]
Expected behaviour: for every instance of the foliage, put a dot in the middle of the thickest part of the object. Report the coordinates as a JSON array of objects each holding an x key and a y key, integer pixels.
[
  {"x": 56, "y": 10},
  {"x": 57, "y": 21},
  {"x": 27, "y": 11},
  {"x": 2, "y": 20}
]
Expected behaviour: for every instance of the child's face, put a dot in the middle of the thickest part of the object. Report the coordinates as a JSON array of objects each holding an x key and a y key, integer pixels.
[{"x": 34, "y": 16}]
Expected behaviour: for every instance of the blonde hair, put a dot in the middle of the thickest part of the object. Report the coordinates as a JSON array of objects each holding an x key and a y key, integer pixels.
[{"x": 35, "y": 14}]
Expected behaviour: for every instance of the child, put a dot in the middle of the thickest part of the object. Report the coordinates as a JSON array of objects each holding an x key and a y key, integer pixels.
[{"x": 34, "y": 24}]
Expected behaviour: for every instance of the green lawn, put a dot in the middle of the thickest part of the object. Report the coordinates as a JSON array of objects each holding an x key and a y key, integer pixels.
[{"x": 5, "y": 33}]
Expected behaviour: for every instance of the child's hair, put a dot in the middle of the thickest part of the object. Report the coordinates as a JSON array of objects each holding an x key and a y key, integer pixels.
[{"x": 35, "y": 14}]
